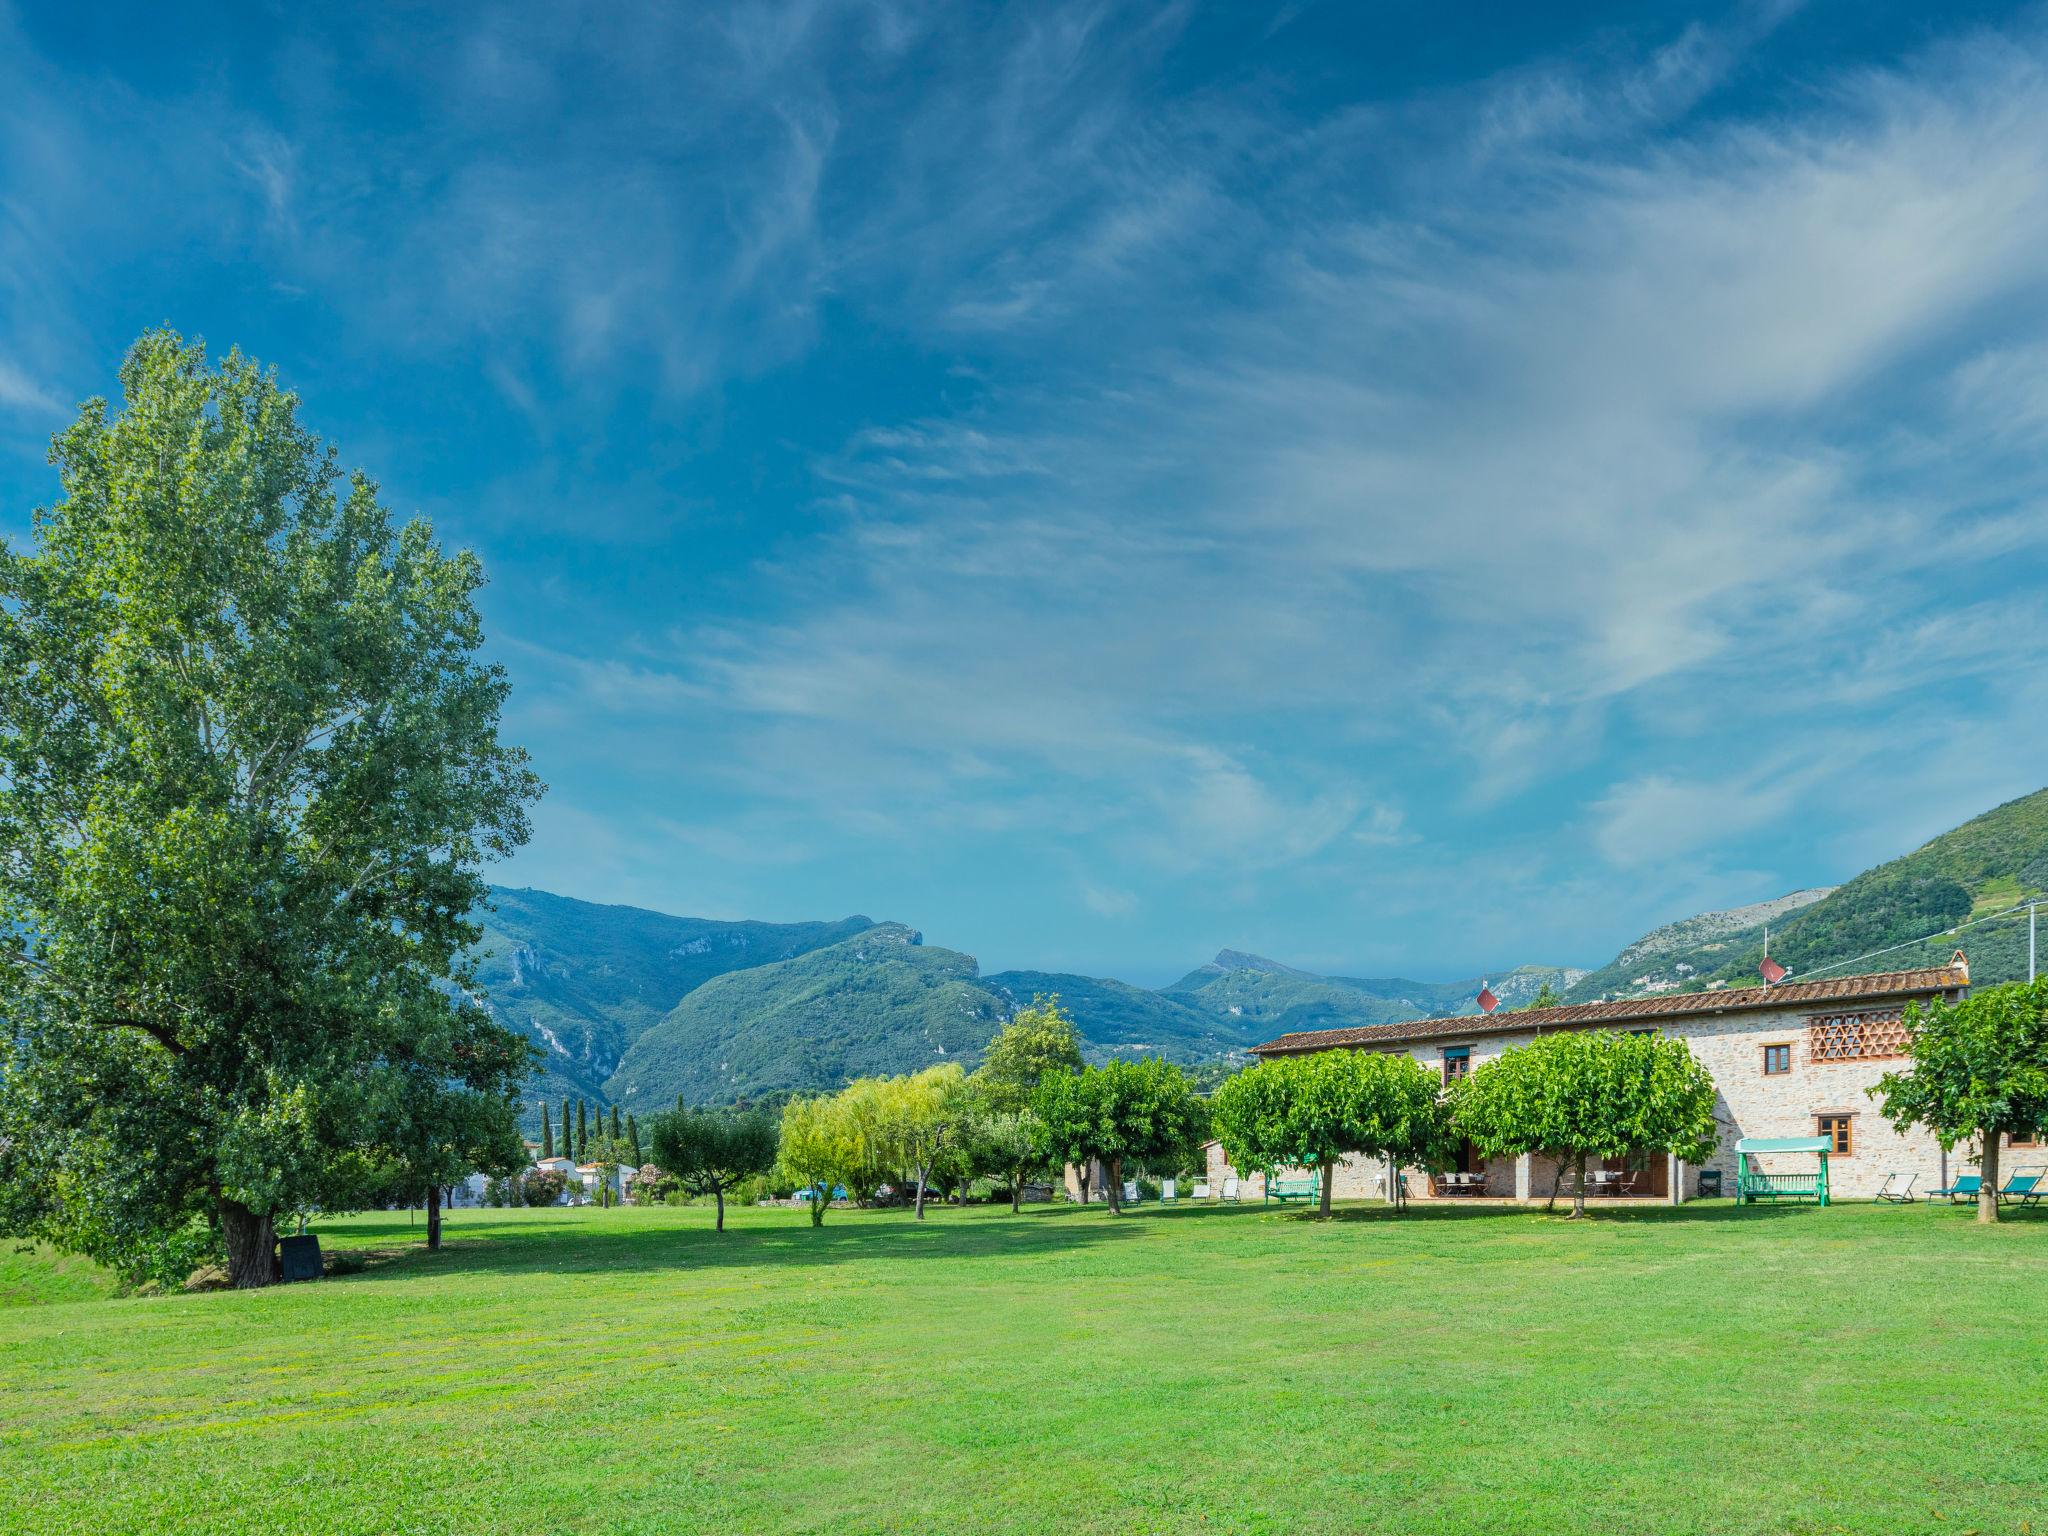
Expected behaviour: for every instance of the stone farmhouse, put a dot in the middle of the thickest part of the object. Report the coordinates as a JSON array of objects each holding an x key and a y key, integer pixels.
[{"x": 1791, "y": 1060}]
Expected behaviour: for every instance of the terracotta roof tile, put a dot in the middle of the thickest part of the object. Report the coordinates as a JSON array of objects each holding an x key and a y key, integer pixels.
[{"x": 1787, "y": 994}]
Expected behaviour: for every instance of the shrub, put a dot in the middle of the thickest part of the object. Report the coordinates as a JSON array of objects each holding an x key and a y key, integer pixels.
[{"x": 541, "y": 1186}]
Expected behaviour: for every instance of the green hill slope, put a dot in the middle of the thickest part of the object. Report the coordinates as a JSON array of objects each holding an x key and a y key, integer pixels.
[
  {"x": 585, "y": 981},
  {"x": 1267, "y": 998},
  {"x": 878, "y": 1002},
  {"x": 1115, "y": 1017},
  {"x": 1990, "y": 862}
]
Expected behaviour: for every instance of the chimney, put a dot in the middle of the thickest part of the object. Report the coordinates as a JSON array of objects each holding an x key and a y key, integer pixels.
[{"x": 1961, "y": 962}]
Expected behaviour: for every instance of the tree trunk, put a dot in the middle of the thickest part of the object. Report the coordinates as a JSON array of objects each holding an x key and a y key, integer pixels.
[
  {"x": 1556, "y": 1183},
  {"x": 1579, "y": 1194},
  {"x": 1016, "y": 1191},
  {"x": 1329, "y": 1178},
  {"x": 1116, "y": 1186},
  {"x": 920, "y": 1192},
  {"x": 251, "y": 1242},
  {"x": 819, "y": 1193},
  {"x": 1987, "y": 1167},
  {"x": 433, "y": 1217},
  {"x": 718, "y": 1194}
]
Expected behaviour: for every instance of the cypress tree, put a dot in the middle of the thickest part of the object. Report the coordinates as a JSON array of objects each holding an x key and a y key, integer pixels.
[
  {"x": 568, "y": 1141},
  {"x": 617, "y": 1134},
  {"x": 582, "y": 1129},
  {"x": 547, "y": 1134},
  {"x": 633, "y": 1139}
]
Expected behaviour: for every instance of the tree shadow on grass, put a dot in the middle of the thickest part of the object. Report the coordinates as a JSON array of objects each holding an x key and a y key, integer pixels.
[{"x": 590, "y": 1246}]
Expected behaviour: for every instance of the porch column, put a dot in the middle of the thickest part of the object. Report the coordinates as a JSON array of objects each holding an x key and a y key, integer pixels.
[{"x": 1523, "y": 1177}]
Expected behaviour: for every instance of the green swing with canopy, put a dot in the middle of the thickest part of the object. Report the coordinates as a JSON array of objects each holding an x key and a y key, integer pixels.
[{"x": 1753, "y": 1184}]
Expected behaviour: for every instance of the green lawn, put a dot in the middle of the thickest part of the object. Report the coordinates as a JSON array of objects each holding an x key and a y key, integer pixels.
[{"x": 1452, "y": 1371}]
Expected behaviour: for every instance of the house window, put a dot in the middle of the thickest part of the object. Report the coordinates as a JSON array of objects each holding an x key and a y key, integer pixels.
[
  {"x": 2024, "y": 1138},
  {"x": 1836, "y": 1128},
  {"x": 1856, "y": 1036},
  {"x": 1777, "y": 1058},
  {"x": 1457, "y": 1061},
  {"x": 1650, "y": 1031}
]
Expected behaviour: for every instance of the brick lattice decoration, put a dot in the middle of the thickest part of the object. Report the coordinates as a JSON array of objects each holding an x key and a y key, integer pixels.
[{"x": 1856, "y": 1036}]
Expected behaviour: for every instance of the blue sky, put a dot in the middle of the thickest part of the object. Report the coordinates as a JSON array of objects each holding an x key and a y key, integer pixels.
[{"x": 1404, "y": 488}]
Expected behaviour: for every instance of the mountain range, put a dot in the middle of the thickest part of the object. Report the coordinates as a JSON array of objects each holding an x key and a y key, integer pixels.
[{"x": 638, "y": 1008}]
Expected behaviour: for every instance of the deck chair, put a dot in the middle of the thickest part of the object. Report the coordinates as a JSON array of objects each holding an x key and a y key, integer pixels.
[
  {"x": 1230, "y": 1193},
  {"x": 2023, "y": 1187},
  {"x": 1202, "y": 1191},
  {"x": 1964, "y": 1188},
  {"x": 1897, "y": 1188},
  {"x": 1169, "y": 1192},
  {"x": 1130, "y": 1191}
]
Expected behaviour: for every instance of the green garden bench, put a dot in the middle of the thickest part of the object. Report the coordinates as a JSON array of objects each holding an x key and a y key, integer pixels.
[
  {"x": 1285, "y": 1190},
  {"x": 1753, "y": 1184}
]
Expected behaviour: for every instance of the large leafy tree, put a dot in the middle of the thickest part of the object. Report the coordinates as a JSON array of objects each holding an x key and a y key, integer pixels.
[
  {"x": 249, "y": 770},
  {"x": 1040, "y": 1039},
  {"x": 1980, "y": 1071},
  {"x": 1122, "y": 1112},
  {"x": 707, "y": 1153},
  {"x": 1312, "y": 1111},
  {"x": 1584, "y": 1093}
]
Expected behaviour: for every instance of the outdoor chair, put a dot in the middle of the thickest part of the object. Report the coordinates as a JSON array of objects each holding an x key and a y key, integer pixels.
[
  {"x": 1169, "y": 1192},
  {"x": 2023, "y": 1187},
  {"x": 1202, "y": 1191},
  {"x": 1230, "y": 1189},
  {"x": 1964, "y": 1188},
  {"x": 1130, "y": 1192},
  {"x": 1897, "y": 1188}
]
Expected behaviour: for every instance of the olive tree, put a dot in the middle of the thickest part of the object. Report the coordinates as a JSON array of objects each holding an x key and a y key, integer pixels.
[
  {"x": 1980, "y": 1070},
  {"x": 708, "y": 1153},
  {"x": 1583, "y": 1093},
  {"x": 1124, "y": 1111},
  {"x": 1311, "y": 1111},
  {"x": 249, "y": 771}
]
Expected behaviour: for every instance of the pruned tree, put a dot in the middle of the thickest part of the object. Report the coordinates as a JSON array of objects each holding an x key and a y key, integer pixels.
[
  {"x": 1980, "y": 1071},
  {"x": 547, "y": 1135},
  {"x": 1584, "y": 1093},
  {"x": 249, "y": 771},
  {"x": 1312, "y": 1111},
  {"x": 1122, "y": 1112},
  {"x": 707, "y": 1153}
]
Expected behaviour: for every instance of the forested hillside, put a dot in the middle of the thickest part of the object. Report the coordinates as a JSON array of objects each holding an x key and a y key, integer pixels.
[
  {"x": 1989, "y": 863},
  {"x": 1269, "y": 998},
  {"x": 585, "y": 981},
  {"x": 879, "y": 1002}
]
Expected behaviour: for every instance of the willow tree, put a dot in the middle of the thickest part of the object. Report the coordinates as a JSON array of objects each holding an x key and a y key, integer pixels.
[{"x": 249, "y": 771}]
